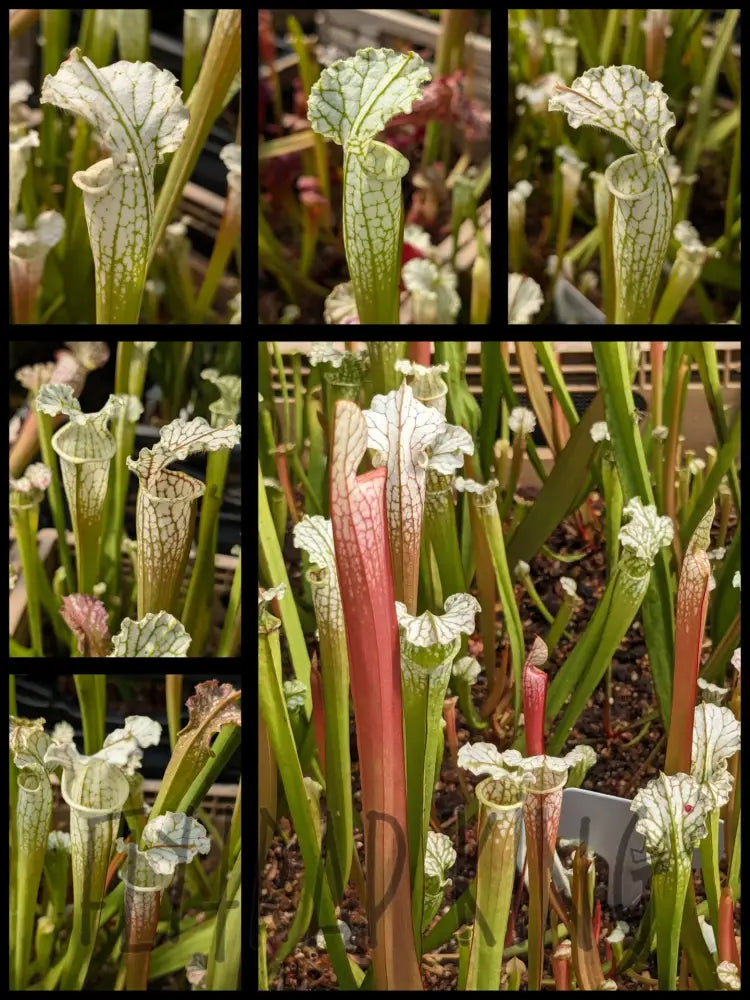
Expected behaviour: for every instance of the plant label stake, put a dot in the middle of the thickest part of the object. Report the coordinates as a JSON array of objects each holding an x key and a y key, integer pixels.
[{"x": 607, "y": 825}]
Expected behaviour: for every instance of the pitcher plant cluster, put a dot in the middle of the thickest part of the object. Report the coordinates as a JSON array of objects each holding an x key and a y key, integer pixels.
[
  {"x": 649, "y": 259},
  {"x": 90, "y": 608},
  {"x": 114, "y": 931},
  {"x": 128, "y": 118},
  {"x": 416, "y": 551}
]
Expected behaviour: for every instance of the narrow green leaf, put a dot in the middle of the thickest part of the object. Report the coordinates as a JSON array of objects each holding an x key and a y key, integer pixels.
[
  {"x": 558, "y": 493},
  {"x": 658, "y": 616},
  {"x": 275, "y": 715}
]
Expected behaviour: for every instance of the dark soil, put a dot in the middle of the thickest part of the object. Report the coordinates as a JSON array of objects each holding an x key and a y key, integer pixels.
[{"x": 629, "y": 748}]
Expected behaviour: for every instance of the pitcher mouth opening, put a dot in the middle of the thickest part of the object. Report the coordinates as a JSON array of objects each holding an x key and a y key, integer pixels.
[
  {"x": 621, "y": 170},
  {"x": 119, "y": 793},
  {"x": 98, "y": 178},
  {"x": 105, "y": 441},
  {"x": 173, "y": 487}
]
